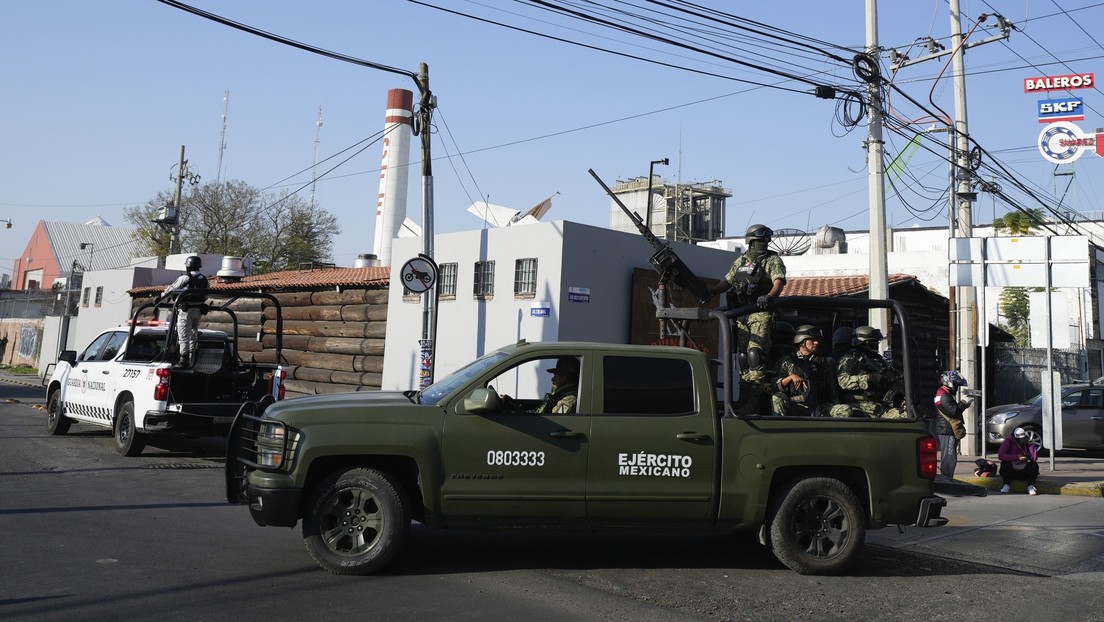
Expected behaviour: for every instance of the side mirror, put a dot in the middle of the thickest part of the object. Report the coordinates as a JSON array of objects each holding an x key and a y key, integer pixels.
[
  {"x": 69, "y": 356},
  {"x": 482, "y": 400}
]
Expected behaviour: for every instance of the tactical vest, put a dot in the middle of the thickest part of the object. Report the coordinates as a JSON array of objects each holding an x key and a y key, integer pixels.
[{"x": 196, "y": 281}]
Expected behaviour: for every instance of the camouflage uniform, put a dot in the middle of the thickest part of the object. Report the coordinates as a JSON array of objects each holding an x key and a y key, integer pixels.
[
  {"x": 561, "y": 400},
  {"x": 754, "y": 329},
  {"x": 820, "y": 396},
  {"x": 855, "y": 371}
]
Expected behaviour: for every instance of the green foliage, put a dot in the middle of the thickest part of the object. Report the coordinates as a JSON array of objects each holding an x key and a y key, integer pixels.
[
  {"x": 1016, "y": 309},
  {"x": 1019, "y": 222},
  {"x": 276, "y": 230}
]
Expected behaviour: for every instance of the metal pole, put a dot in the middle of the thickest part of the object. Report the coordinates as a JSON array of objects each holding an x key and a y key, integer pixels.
[
  {"x": 966, "y": 296},
  {"x": 427, "y": 102},
  {"x": 174, "y": 239},
  {"x": 648, "y": 209},
  {"x": 879, "y": 277}
]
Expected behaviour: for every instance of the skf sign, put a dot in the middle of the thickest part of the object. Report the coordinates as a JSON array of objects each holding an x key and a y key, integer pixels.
[
  {"x": 1059, "y": 83},
  {"x": 1068, "y": 109}
]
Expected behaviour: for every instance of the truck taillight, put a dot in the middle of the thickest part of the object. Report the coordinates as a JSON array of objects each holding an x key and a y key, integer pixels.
[
  {"x": 928, "y": 463},
  {"x": 161, "y": 390}
]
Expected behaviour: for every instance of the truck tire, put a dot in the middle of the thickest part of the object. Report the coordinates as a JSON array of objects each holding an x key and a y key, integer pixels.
[
  {"x": 127, "y": 440},
  {"x": 817, "y": 526},
  {"x": 356, "y": 521},
  {"x": 56, "y": 422}
]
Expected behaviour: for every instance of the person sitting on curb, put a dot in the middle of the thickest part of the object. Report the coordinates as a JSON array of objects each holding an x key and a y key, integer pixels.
[{"x": 1019, "y": 460}]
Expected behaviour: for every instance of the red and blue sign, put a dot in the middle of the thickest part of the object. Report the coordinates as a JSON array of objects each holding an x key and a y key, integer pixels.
[{"x": 1066, "y": 109}]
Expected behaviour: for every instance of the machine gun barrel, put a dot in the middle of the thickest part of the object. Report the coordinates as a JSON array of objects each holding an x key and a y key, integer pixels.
[{"x": 669, "y": 265}]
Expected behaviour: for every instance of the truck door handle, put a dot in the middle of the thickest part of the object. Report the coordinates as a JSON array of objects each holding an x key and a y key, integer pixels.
[
  {"x": 1097, "y": 418},
  {"x": 566, "y": 434},
  {"x": 105, "y": 372},
  {"x": 691, "y": 436}
]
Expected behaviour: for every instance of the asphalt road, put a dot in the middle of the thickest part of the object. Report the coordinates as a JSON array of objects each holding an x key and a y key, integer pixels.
[{"x": 88, "y": 534}]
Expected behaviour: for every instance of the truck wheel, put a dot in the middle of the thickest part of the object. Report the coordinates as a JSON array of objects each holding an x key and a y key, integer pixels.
[
  {"x": 56, "y": 422},
  {"x": 818, "y": 526},
  {"x": 356, "y": 521},
  {"x": 127, "y": 440}
]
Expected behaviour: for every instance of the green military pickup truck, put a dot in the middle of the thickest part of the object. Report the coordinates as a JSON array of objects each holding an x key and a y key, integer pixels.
[{"x": 659, "y": 439}]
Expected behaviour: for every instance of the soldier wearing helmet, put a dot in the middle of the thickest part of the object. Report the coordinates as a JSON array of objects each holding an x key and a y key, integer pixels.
[
  {"x": 867, "y": 382},
  {"x": 949, "y": 427},
  {"x": 757, "y": 277},
  {"x": 803, "y": 383},
  {"x": 190, "y": 306}
]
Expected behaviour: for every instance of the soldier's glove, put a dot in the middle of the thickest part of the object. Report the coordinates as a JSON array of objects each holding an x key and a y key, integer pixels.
[{"x": 763, "y": 301}]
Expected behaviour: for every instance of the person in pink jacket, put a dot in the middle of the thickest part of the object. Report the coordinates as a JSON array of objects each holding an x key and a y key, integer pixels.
[{"x": 1019, "y": 460}]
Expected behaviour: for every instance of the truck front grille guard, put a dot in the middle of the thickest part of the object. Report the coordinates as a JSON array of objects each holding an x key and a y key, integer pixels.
[{"x": 243, "y": 448}]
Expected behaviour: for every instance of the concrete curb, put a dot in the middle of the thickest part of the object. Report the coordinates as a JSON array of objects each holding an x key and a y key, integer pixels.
[
  {"x": 1045, "y": 486},
  {"x": 27, "y": 381}
]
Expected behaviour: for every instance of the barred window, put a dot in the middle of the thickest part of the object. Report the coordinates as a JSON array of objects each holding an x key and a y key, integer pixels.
[
  {"x": 484, "y": 280},
  {"x": 84, "y": 298},
  {"x": 446, "y": 282},
  {"x": 99, "y": 296},
  {"x": 525, "y": 278}
]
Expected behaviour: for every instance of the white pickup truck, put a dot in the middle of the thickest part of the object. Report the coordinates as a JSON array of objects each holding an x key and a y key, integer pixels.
[{"x": 128, "y": 379}]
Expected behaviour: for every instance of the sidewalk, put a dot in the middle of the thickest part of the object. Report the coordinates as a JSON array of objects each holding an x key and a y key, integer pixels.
[
  {"x": 1075, "y": 472},
  {"x": 27, "y": 380}
]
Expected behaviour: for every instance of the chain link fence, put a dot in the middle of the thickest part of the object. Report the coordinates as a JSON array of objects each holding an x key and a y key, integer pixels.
[{"x": 1018, "y": 372}]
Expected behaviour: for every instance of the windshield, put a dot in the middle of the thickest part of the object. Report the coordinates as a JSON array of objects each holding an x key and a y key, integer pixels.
[{"x": 438, "y": 390}]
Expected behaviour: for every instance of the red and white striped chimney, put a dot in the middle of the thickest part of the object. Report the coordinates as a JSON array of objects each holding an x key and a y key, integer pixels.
[{"x": 394, "y": 171}]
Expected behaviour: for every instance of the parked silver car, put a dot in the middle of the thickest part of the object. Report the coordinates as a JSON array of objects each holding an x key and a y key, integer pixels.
[{"x": 1082, "y": 418}]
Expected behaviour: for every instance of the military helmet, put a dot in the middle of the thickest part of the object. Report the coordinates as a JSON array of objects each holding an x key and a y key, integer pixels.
[
  {"x": 867, "y": 335},
  {"x": 193, "y": 262},
  {"x": 760, "y": 233},
  {"x": 842, "y": 336},
  {"x": 952, "y": 379},
  {"x": 806, "y": 331}
]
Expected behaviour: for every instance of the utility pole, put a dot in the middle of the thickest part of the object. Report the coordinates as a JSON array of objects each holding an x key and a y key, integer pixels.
[
  {"x": 879, "y": 271},
  {"x": 174, "y": 238},
  {"x": 966, "y": 297},
  {"x": 964, "y": 315}
]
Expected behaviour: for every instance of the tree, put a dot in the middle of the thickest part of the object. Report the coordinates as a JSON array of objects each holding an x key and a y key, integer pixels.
[
  {"x": 1019, "y": 222},
  {"x": 276, "y": 230},
  {"x": 1015, "y": 307}
]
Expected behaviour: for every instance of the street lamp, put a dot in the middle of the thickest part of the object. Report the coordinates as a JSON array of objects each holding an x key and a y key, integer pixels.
[
  {"x": 7, "y": 223},
  {"x": 651, "y": 167},
  {"x": 89, "y": 246}
]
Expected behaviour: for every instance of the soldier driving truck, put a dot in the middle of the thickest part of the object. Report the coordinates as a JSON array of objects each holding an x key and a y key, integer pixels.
[{"x": 661, "y": 438}]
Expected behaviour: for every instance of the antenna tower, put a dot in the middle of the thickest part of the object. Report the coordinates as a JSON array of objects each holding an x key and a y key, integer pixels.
[
  {"x": 317, "y": 141},
  {"x": 222, "y": 137}
]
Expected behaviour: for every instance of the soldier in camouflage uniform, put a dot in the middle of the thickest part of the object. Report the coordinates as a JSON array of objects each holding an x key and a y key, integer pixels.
[
  {"x": 758, "y": 277},
  {"x": 804, "y": 385},
  {"x": 867, "y": 382}
]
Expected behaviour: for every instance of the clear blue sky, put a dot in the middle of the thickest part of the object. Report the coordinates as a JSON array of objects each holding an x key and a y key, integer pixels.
[{"x": 99, "y": 97}]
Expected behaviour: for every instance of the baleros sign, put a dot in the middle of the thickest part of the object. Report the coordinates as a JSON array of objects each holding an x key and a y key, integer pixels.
[{"x": 1059, "y": 83}]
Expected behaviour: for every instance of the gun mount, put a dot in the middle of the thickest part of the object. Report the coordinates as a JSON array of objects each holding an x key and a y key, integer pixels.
[{"x": 670, "y": 266}]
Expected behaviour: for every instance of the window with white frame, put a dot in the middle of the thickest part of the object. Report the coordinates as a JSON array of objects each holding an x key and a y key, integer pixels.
[
  {"x": 86, "y": 296},
  {"x": 525, "y": 278},
  {"x": 99, "y": 296},
  {"x": 484, "y": 280}
]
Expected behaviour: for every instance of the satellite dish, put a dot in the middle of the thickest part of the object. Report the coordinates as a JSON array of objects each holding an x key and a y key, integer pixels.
[{"x": 790, "y": 242}]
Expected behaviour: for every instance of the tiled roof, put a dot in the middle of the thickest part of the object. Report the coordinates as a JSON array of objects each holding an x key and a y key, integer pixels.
[
  {"x": 835, "y": 285},
  {"x": 375, "y": 276}
]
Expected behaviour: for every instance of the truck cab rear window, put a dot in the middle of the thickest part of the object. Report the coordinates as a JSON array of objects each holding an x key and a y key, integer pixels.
[{"x": 647, "y": 386}]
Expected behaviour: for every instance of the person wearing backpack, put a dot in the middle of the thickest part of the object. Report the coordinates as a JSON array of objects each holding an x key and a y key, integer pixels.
[{"x": 190, "y": 307}]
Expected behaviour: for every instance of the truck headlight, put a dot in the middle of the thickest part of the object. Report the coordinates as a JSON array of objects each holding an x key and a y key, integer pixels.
[
  {"x": 1000, "y": 418},
  {"x": 271, "y": 444}
]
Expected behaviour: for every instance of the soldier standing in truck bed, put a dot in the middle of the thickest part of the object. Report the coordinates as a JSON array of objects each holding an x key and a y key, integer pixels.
[{"x": 756, "y": 277}]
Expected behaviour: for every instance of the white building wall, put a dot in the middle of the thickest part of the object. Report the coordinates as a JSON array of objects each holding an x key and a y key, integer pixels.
[
  {"x": 114, "y": 308},
  {"x": 569, "y": 255}
]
